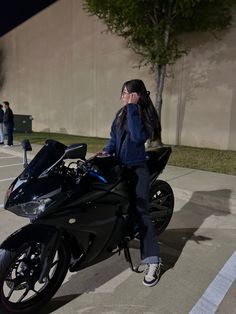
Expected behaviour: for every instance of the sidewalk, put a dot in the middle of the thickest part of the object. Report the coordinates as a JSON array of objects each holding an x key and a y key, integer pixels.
[{"x": 217, "y": 191}]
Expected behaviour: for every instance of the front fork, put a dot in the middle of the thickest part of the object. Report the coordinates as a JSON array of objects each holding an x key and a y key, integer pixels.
[{"x": 47, "y": 255}]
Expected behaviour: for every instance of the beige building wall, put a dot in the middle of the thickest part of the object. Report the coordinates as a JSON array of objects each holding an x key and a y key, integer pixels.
[{"x": 62, "y": 68}]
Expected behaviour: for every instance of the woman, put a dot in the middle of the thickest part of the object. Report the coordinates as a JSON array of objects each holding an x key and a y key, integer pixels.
[{"x": 134, "y": 123}]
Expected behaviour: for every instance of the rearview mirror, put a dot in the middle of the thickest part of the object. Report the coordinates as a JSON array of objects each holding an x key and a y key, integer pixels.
[
  {"x": 26, "y": 145},
  {"x": 26, "y": 148},
  {"x": 76, "y": 151}
]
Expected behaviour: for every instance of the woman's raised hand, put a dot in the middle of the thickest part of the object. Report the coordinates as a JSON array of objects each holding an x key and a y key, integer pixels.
[{"x": 133, "y": 98}]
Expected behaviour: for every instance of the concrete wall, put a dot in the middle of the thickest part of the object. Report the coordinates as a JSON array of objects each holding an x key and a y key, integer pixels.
[
  {"x": 63, "y": 69},
  {"x": 204, "y": 92}
]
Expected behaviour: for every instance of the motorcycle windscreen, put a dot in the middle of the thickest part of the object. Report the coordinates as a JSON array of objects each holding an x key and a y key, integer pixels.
[{"x": 51, "y": 152}]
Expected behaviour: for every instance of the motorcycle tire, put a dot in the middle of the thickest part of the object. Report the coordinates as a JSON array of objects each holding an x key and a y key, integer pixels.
[
  {"x": 20, "y": 291},
  {"x": 161, "y": 205}
]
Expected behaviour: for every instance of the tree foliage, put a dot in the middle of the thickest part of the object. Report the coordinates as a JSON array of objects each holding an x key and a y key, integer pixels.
[{"x": 152, "y": 27}]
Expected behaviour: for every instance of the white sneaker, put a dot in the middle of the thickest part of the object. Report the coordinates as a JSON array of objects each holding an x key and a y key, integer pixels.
[
  {"x": 8, "y": 145},
  {"x": 152, "y": 273}
]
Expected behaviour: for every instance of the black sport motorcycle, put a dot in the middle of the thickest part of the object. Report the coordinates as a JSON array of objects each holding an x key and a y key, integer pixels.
[{"x": 79, "y": 214}]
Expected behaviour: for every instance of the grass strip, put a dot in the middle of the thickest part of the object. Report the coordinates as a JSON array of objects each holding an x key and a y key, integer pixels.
[{"x": 221, "y": 161}]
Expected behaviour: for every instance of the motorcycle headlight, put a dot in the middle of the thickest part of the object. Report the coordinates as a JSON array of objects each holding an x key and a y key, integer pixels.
[{"x": 32, "y": 209}]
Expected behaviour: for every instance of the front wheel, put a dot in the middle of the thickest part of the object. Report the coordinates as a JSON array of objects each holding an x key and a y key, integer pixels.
[
  {"x": 161, "y": 205},
  {"x": 20, "y": 291}
]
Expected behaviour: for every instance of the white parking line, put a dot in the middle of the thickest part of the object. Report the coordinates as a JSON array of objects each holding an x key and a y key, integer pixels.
[
  {"x": 217, "y": 290},
  {"x": 11, "y": 165},
  {"x": 7, "y": 157},
  {"x": 7, "y": 179},
  {"x": 112, "y": 284}
]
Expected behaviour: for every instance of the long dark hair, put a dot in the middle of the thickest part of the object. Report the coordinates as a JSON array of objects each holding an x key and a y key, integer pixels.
[
  {"x": 147, "y": 110},
  {"x": 6, "y": 103}
]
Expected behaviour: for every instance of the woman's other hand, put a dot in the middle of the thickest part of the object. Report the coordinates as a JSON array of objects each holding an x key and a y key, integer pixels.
[{"x": 102, "y": 154}]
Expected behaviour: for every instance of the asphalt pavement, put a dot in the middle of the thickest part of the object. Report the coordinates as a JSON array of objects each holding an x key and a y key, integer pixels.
[{"x": 198, "y": 251}]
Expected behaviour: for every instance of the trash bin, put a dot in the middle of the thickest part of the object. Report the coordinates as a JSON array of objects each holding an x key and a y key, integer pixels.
[{"x": 23, "y": 123}]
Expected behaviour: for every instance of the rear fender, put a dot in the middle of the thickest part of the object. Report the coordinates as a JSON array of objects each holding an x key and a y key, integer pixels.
[{"x": 157, "y": 160}]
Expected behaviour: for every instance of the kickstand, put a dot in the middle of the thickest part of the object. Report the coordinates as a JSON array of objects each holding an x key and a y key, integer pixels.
[{"x": 129, "y": 260}]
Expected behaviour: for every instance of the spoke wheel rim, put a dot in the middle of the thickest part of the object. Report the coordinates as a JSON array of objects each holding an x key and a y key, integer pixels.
[
  {"x": 162, "y": 209},
  {"x": 21, "y": 286}
]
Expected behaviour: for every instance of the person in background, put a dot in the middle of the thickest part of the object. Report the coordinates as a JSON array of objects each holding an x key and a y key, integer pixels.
[
  {"x": 1, "y": 126},
  {"x": 8, "y": 120},
  {"x": 134, "y": 123}
]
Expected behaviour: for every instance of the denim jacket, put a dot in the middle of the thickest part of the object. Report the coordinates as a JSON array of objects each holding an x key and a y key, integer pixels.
[{"x": 128, "y": 143}]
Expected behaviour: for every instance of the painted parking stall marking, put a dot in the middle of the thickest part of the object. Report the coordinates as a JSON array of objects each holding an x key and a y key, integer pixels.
[
  {"x": 11, "y": 165},
  {"x": 7, "y": 179},
  {"x": 112, "y": 284},
  {"x": 8, "y": 157},
  {"x": 216, "y": 291}
]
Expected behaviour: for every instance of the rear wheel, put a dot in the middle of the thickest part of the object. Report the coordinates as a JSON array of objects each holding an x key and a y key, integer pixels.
[
  {"x": 20, "y": 291},
  {"x": 161, "y": 205}
]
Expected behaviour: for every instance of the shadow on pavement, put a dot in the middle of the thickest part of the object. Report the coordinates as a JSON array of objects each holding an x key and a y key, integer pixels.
[
  {"x": 182, "y": 228},
  {"x": 185, "y": 223},
  {"x": 58, "y": 302},
  {"x": 87, "y": 280}
]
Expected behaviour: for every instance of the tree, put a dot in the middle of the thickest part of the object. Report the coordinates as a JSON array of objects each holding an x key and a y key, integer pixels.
[{"x": 152, "y": 28}]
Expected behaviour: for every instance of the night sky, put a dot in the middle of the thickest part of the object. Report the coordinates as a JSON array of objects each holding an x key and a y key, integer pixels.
[{"x": 15, "y": 12}]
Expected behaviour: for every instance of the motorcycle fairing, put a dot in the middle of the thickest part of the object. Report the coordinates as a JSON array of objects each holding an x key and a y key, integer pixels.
[{"x": 31, "y": 232}]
